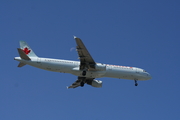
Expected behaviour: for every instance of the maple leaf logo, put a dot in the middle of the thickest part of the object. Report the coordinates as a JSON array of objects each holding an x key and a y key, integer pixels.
[{"x": 26, "y": 50}]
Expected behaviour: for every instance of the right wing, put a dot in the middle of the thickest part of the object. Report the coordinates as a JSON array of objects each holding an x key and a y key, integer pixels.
[
  {"x": 77, "y": 83},
  {"x": 80, "y": 82}
]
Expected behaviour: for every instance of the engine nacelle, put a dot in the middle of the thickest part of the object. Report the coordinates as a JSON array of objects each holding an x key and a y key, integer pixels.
[
  {"x": 100, "y": 67},
  {"x": 95, "y": 83}
]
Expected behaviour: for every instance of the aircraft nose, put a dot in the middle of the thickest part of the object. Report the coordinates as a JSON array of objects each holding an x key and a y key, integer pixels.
[{"x": 149, "y": 76}]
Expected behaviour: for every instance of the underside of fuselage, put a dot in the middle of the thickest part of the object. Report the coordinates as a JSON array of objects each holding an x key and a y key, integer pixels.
[{"x": 72, "y": 67}]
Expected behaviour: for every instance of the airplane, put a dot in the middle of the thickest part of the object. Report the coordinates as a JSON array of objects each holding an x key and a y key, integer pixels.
[{"x": 86, "y": 69}]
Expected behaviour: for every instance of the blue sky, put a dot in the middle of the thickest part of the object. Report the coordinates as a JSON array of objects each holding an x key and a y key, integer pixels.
[{"x": 143, "y": 33}]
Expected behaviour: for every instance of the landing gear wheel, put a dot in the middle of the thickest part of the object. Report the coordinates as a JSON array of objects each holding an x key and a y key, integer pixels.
[
  {"x": 82, "y": 84},
  {"x": 136, "y": 84},
  {"x": 84, "y": 73}
]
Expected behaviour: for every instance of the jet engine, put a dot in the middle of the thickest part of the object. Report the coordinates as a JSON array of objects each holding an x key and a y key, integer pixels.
[{"x": 95, "y": 83}]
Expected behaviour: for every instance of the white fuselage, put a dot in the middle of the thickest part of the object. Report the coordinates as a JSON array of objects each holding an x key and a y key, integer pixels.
[{"x": 102, "y": 70}]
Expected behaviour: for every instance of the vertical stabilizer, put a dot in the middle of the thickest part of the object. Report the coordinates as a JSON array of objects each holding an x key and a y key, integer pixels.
[
  {"x": 22, "y": 54},
  {"x": 27, "y": 50}
]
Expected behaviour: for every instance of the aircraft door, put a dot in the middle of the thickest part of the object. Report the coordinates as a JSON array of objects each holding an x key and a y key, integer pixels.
[
  {"x": 76, "y": 64},
  {"x": 39, "y": 60},
  {"x": 109, "y": 67}
]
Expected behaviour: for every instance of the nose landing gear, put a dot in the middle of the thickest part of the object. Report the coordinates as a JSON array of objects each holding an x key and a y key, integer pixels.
[{"x": 136, "y": 84}]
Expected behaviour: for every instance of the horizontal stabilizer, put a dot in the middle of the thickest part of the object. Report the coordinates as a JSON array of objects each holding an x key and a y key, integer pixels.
[
  {"x": 22, "y": 54},
  {"x": 21, "y": 64}
]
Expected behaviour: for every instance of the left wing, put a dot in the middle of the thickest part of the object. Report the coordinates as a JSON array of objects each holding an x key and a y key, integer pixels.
[{"x": 86, "y": 61}]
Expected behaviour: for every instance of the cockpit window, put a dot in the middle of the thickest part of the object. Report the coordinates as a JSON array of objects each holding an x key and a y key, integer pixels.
[{"x": 144, "y": 71}]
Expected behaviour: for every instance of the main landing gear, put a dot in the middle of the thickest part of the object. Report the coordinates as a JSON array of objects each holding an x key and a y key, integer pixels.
[
  {"x": 136, "y": 84},
  {"x": 82, "y": 84},
  {"x": 84, "y": 73},
  {"x": 83, "y": 81}
]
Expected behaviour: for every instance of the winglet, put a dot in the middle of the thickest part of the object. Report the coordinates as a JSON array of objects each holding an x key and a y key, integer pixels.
[{"x": 75, "y": 37}]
